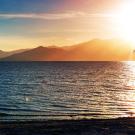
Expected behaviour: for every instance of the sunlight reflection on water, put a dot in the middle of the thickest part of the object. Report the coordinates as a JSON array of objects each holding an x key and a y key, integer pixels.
[
  {"x": 67, "y": 89},
  {"x": 130, "y": 84},
  {"x": 131, "y": 71}
]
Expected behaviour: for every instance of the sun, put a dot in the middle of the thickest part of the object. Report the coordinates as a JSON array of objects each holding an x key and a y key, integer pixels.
[{"x": 125, "y": 18}]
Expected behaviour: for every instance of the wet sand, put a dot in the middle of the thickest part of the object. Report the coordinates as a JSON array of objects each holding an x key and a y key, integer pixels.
[{"x": 121, "y": 126}]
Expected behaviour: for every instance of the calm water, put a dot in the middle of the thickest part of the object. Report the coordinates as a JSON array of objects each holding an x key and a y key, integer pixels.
[{"x": 66, "y": 90}]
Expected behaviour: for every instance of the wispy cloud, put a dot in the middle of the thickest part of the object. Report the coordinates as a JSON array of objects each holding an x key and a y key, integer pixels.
[
  {"x": 45, "y": 16},
  {"x": 52, "y": 16}
]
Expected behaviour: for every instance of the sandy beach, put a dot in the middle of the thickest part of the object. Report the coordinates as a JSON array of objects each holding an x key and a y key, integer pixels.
[{"x": 121, "y": 126}]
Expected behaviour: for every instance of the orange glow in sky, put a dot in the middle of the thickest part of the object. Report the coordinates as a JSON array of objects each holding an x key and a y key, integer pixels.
[{"x": 64, "y": 22}]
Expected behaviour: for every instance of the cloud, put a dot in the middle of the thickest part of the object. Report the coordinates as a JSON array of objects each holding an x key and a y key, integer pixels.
[
  {"x": 52, "y": 16},
  {"x": 44, "y": 16}
]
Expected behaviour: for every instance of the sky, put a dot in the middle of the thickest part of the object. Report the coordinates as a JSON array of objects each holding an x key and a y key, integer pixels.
[{"x": 32, "y": 23}]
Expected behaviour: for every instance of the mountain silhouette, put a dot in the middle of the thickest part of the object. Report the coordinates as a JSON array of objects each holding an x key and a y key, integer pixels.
[
  {"x": 4, "y": 54},
  {"x": 94, "y": 50},
  {"x": 38, "y": 54}
]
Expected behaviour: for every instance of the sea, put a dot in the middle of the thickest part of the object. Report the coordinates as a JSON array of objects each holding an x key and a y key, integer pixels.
[{"x": 66, "y": 90}]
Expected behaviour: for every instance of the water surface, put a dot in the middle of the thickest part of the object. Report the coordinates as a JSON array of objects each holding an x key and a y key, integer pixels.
[{"x": 66, "y": 90}]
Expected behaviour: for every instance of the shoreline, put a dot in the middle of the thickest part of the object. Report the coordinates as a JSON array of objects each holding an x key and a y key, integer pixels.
[{"x": 119, "y": 126}]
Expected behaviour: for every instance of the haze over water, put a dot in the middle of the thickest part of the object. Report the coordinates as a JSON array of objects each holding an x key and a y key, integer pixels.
[{"x": 66, "y": 90}]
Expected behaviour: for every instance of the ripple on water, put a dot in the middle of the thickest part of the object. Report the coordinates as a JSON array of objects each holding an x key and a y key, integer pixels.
[{"x": 80, "y": 89}]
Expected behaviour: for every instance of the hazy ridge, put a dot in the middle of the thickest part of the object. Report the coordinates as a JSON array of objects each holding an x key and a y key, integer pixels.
[{"x": 94, "y": 50}]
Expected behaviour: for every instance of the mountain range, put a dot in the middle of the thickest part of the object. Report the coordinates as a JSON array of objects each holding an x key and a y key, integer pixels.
[
  {"x": 4, "y": 54},
  {"x": 94, "y": 50}
]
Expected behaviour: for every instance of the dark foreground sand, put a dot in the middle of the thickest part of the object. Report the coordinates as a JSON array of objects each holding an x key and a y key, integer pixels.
[{"x": 121, "y": 126}]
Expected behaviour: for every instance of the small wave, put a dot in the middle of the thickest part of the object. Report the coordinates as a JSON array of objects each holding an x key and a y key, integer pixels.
[
  {"x": 20, "y": 110},
  {"x": 54, "y": 115},
  {"x": 4, "y": 114}
]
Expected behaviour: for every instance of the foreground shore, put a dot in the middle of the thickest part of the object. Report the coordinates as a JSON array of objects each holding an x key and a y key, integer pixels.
[{"x": 121, "y": 126}]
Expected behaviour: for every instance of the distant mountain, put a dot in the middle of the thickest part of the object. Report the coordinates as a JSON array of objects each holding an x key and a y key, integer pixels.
[
  {"x": 101, "y": 50},
  {"x": 4, "y": 54},
  {"x": 38, "y": 54},
  {"x": 94, "y": 50}
]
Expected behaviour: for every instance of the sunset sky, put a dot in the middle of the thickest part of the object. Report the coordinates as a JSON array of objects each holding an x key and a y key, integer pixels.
[{"x": 30, "y": 23}]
